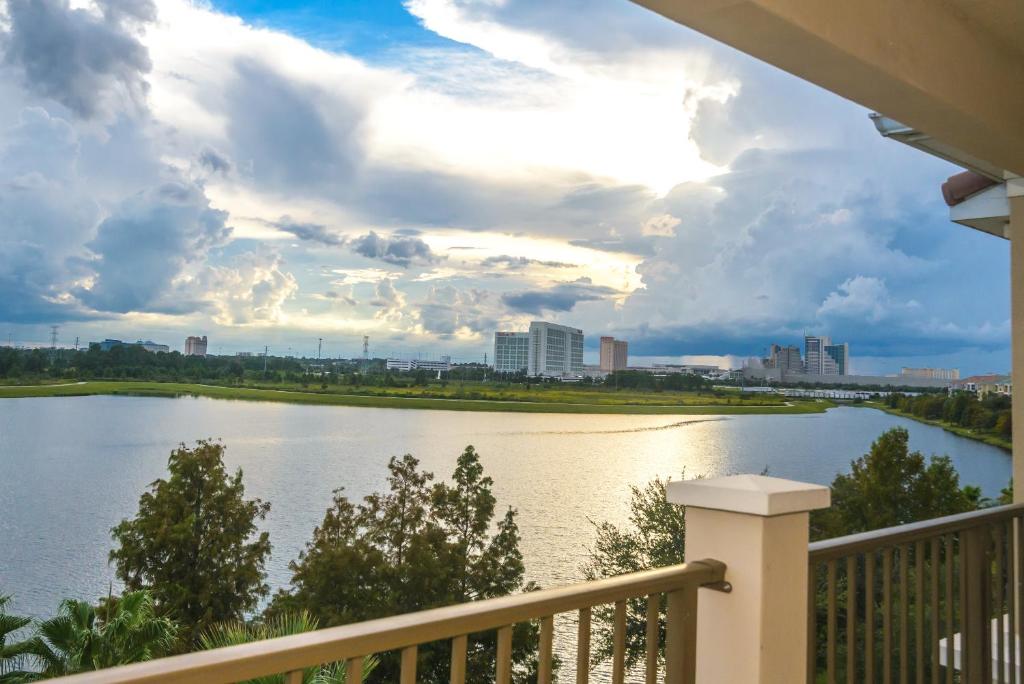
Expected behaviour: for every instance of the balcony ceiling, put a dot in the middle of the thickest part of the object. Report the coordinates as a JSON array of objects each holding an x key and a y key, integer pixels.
[{"x": 950, "y": 69}]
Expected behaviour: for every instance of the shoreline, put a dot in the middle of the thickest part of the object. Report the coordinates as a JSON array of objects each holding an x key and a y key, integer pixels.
[
  {"x": 966, "y": 433},
  {"x": 173, "y": 390}
]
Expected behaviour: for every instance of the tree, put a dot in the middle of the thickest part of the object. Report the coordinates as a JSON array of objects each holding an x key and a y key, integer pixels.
[
  {"x": 655, "y": 538},
  {"x": 124, "y": 630},
  {"x": 15, "y": 654},
  {"x": 240, "y": 632},
  {"x": 890, "y": 485},
  {"x": 417, "y": 546},
  {"x": 194, "y": 542}
]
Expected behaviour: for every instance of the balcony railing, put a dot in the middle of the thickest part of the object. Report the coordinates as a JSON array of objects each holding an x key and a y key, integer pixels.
[
  {"x": 916, "y": 602},
  {"x": 294, "y": 655}
]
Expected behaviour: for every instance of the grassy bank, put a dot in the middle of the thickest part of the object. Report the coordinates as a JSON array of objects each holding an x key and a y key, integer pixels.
[
  {"x": 977, "y": 435},
  {"x": 561, "y": 401}
]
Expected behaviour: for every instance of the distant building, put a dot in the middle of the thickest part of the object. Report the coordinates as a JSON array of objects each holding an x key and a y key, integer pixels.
[
  {"x": 662, "y": 370},
  {"x": 244, "y": 354},
  {"x": 814, "y": 354},
  {"x": 151, "y": 346},
  {"x": 937, "y": 373},
  {"x": 614, "y": 354},
  {"x": 148, "y": 345},
  {"x": 445, "y": 364},
  {"x": 787, "y": 359},
  {"x": 555, "y": 350},
  {"x": 836, "y": 360},
  {"x": 983, "y": 385},
  {"x": 511, "y": 352},
  {"x": 195, "y": 346}
]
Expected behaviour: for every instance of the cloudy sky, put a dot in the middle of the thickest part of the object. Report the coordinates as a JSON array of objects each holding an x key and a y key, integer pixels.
[{"x": 270, "y": 172}]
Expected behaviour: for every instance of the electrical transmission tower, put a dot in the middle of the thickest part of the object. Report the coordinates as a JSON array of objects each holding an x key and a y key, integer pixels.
[
  {"x": 366, "y": 352},
  {"x": 53, "y": 336},
  {"x": 319, "y": 347}
]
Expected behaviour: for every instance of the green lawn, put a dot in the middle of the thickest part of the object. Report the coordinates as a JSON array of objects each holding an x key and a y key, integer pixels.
[{"x": 535, "y": 401}]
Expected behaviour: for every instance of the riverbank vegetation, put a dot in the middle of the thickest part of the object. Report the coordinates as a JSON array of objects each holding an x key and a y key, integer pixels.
[
  {"x": 472, "y": 387},
  {"x": 467, "y": 397},
  {"x": 987, "y": 419}
]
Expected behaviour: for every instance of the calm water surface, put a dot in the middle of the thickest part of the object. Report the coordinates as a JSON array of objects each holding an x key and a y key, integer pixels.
[{"x": 72, "y": 468}]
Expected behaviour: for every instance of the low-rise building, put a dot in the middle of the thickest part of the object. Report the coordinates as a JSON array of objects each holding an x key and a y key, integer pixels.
[
  {"x": 405, "y": 365},
  {"x": 148, "y": 345},
  {"x": 983, "y": 385},
  {"x": 938, "y": 373}
]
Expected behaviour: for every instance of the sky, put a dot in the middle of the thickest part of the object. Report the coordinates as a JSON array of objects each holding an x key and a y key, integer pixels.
[{"x": 270, "y": 173}]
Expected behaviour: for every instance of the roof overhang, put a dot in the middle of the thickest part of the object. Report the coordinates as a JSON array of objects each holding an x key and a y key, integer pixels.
[{"x": 952, "y": 70}]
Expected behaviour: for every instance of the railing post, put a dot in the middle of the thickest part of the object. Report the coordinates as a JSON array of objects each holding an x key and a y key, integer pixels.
[
  {"x": 758, "y": 526},
  {"x": 976, "y": 644}
]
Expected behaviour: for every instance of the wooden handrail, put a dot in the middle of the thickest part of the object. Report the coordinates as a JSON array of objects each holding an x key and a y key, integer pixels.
[
  {"x": 300, "y": 651},
  {"x": 841, "y": 547}
]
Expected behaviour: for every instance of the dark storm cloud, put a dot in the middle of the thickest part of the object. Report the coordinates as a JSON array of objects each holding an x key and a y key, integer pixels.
[
  {"x": 214, "y": 162},
  {"x": 562, "y": 297},
  {"x": 400, "y": 251},
  {"x": 310, "y": 232},
  {"x": 290, "y": 136},
  {"x": 75, "y": 57}
]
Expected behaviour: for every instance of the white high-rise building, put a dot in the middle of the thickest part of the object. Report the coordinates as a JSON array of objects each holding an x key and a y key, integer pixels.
[
  {"x": 555, "y": 350},
  {"x": 511, "y": 351},
  {"x": 814, "y": 354}
]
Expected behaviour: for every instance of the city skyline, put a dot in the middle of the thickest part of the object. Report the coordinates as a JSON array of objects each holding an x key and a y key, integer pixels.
[{"x": 448, "y": 172}]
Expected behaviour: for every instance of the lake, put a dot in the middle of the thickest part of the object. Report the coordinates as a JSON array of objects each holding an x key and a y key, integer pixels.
[{"x": 72, "y": 468}]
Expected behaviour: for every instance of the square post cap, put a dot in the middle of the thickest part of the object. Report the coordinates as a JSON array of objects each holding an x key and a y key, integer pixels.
[{"x": 751, "y": 494}]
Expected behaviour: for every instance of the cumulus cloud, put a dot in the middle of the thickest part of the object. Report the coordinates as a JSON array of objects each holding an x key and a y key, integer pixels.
[
  {"x": 388, "y": 300},
  {"x": 251, "y": 290},
  {"x": 141, "y": 249},
  {"x": 88, "y": 62},
  {"x": 400, "y": 250},
  {"x": 860, "y": 297},
  {"x": 448, "y": 311}
]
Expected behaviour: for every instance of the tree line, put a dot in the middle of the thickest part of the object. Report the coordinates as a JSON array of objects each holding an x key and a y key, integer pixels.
[{"x": 989, "y": 414}]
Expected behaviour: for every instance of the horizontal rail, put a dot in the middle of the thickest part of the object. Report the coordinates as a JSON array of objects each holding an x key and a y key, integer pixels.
[
  {"x": 334, "y": 644},
  {"x": 840, "y": 547}
]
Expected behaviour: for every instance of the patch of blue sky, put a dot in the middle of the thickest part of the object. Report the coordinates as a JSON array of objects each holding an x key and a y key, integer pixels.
[{"x": 365, "y": 28}]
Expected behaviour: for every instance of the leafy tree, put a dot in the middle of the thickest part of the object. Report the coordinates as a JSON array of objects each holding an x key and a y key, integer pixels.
[
  {"x": 417, "y": 546},
  {"x": 15, "y": 654},
  {"x": 83, "y": 638},
  {"x": 890, "y": 485},
  {"x": 194, "y": 542},
  {"x": 655, "y": 538},
  {"x": 240, "y": 632}
]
